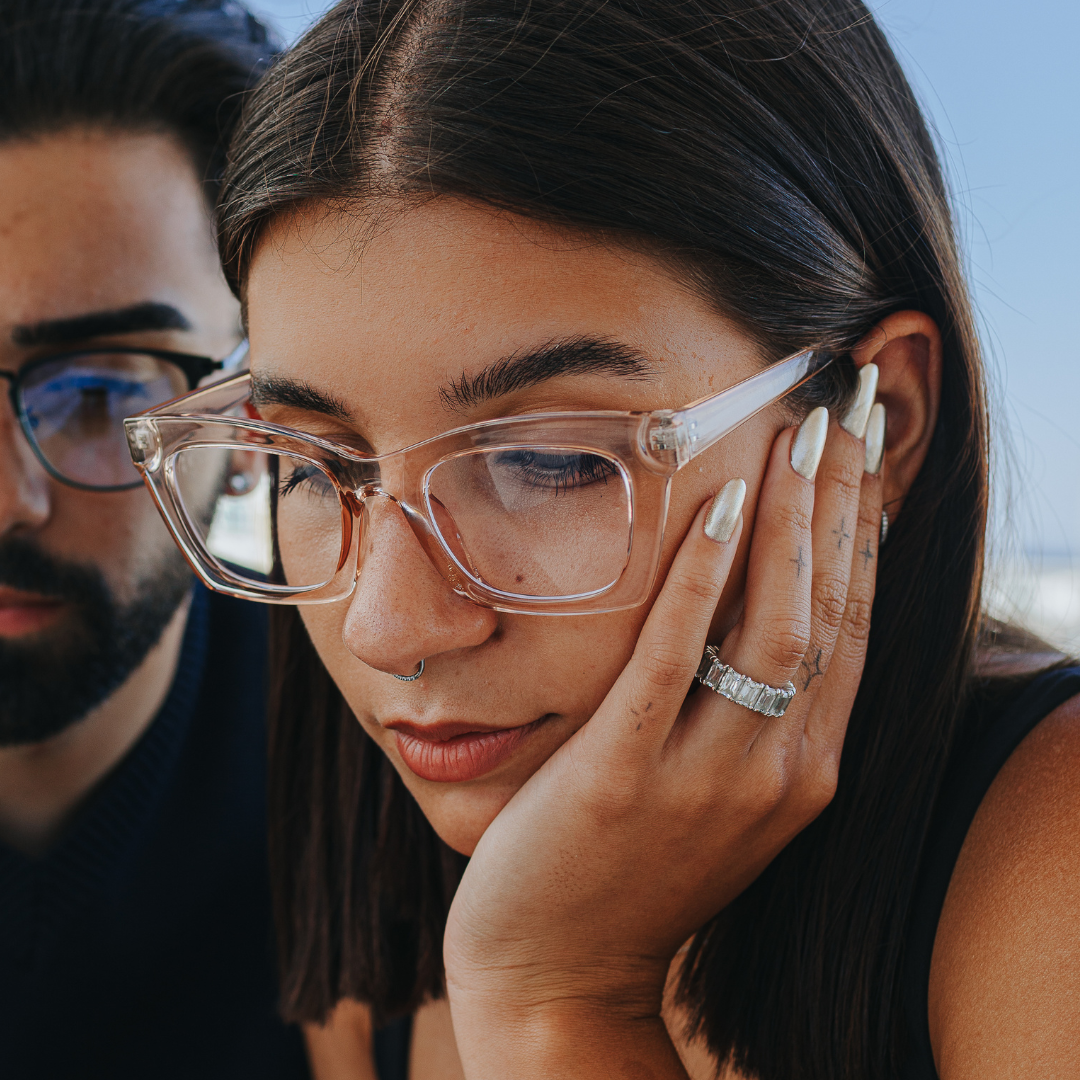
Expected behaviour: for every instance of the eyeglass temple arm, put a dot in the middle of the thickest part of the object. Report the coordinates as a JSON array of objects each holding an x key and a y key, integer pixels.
[
  {"x": 692, "y": 430},
  {"x": 235, "y": 358}
]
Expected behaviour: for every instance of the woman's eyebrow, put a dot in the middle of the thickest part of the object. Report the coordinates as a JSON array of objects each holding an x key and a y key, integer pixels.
[
  {"x": 572, "y": 356},
  {"x": 278, "y": 390}
]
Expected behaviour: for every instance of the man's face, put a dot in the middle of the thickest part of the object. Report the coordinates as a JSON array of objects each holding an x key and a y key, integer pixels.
[{"x": 104, "y": 241}]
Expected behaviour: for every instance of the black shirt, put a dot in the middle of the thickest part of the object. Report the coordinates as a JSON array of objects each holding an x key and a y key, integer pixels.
[
  {"x": 975, "y": 767},
  {"x": 140, "y": 945}
]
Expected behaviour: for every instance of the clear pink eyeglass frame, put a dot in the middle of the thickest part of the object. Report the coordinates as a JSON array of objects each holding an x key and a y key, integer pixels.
[{"x": 650, "y": 446}]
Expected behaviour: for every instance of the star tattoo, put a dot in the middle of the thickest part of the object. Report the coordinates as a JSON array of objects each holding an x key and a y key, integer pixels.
[
  {"x": 800, "y": 565},
  {"x": 841, "y": 534},
  {"x": 812, "y": 672}
]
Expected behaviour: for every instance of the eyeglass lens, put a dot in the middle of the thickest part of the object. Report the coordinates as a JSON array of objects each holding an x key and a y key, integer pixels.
[
  {"x": 75, "y": 407},
  {"x": 529, "y": 521}
]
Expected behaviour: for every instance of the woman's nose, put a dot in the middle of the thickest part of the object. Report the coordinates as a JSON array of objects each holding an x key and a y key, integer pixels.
[
  {"x": 402, "y": 611},
  {"x": 24, "y": 484}
]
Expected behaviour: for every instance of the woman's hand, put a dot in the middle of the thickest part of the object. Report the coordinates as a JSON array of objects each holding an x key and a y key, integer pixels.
[{"x": 664, "y": 807}]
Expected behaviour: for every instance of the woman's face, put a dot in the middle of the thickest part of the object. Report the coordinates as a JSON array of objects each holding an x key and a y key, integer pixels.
[{"x": 386, "y": 326}]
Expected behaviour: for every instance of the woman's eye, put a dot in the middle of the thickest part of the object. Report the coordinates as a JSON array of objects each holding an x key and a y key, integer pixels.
[
  {"x": 306, "y": 478},
  {"x": 557, "y": 471}
]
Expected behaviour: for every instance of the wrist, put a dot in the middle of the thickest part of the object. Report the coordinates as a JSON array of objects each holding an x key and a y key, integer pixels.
[
  {"x": 520, "y": 980},
  {"x": 563, "y": 1039}
]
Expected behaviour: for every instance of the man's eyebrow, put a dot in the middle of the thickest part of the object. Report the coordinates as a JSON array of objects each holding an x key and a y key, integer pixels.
[
  {"x": 573, "y": 356},
  {"x": 277, "y": 390},
  {"x": 129, "y": 320}
]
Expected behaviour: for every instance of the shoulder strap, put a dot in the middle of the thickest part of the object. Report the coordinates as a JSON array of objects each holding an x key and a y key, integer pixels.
[
  {"x": 390, "y": 1048},
  {"x": 963, "y": 788}
]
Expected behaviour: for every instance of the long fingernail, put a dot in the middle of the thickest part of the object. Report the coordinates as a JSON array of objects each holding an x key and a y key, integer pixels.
[
  {"x": 854, "y": 421},
  {"x": 809, "y": 443},
  {"x": 875, "y": 439},
  {"x": 723, "y": 515}
]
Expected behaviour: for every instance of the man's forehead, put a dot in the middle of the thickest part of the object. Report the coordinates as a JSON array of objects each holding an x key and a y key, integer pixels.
[{"x": 93, "y": 224}]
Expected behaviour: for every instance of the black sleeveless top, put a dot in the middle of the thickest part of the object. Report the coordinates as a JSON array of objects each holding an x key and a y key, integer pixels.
[
  {"x": 974, "y": 768},
  {"x": 391, "y": 1049}
]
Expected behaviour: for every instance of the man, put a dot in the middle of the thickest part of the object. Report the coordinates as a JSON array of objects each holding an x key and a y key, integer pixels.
[{"x": 134, "y": 913}]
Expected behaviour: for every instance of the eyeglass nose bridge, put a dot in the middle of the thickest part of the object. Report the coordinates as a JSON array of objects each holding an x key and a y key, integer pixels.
[{"x": 358, "y": 510}]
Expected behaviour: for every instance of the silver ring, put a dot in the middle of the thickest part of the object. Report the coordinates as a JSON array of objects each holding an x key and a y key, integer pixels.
[
  {"x": 413, "y": 677},
  {"x": 741, "y": 689},
  {"x": 884, "y": 527}
]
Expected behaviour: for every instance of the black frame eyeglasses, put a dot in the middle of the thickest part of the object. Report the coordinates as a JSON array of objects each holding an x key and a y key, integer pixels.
[{"x": 71, "y": 406}]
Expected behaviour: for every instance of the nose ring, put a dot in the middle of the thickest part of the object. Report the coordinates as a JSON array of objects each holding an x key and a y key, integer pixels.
[{"x": 413, "y": 677}]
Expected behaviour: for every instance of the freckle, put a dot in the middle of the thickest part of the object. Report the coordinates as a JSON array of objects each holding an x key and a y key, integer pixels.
[{"x": 520, "y": 578}]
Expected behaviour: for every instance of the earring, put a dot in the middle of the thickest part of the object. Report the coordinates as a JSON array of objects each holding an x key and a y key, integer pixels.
[{"x": 884, "y": 527}]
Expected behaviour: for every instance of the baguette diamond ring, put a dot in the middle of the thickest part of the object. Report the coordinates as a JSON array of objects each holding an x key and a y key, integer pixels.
[{"x": 741, "y": 689}]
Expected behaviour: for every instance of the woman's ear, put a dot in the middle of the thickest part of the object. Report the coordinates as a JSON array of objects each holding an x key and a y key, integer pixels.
[{"x": 906, "y": 347}]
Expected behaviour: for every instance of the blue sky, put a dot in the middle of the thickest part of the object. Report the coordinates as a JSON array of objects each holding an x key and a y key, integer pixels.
[{"x": 1001, "y": 84}]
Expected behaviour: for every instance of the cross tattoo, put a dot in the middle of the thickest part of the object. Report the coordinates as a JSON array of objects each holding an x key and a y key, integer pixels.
[
  {"x": 867, "y": 554},
  {"x": 800, "y": 565},
  {"x": 811, "y": 673},
  {"x": 841, "y": 534}
]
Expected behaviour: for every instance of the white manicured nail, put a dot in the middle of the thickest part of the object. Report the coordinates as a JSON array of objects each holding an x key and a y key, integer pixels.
[
  {"x": 809, "y": 443},
  {"x": 723, "y": 515},
  {"x": 854, "y": 422},
  {"x": 875, "y": 439}
]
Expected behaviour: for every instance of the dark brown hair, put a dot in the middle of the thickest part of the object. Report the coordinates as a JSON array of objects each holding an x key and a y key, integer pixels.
[
  {"x": 774, "y": 151},
  {"x": 175, "y": 66}
]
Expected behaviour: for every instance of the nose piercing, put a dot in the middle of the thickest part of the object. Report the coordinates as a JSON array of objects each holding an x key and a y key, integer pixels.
[{"x": 413, "y": 677}]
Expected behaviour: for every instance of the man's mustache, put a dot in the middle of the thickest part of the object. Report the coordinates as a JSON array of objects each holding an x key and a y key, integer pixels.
[{"x": 24, "y": 566}]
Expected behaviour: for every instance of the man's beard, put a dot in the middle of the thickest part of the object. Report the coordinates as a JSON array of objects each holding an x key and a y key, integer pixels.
[{"x": 51, "y": 679}]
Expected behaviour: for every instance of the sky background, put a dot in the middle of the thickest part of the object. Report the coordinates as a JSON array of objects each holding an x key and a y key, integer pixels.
[{"x": 1000, "y": 83}]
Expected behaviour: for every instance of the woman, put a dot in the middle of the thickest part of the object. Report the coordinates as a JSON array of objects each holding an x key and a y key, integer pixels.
[{"x": 568, "y": 220}]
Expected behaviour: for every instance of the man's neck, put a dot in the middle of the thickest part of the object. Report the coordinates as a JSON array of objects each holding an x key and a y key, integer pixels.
[{"x": 42, "y": 785}]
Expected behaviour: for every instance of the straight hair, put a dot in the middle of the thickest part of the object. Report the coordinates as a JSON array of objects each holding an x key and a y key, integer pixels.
[
  {"x": 179, "y": 67},
  {"x": 774, "y": 152}
]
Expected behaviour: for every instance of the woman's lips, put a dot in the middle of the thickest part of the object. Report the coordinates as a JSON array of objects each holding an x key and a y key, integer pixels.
[
  {"x": 25, "y": 613},
  {"x": 446, "y": 754}
]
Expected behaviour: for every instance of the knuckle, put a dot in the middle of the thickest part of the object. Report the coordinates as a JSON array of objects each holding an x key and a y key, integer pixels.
[
  {"x": 795, "y": 517},
  {"x": 830, "y": 601},
  {"x": 699, "y": 584},
  {"x": 820, "y": 780},
  {"x": 857, "y": 612},
  {"x": 783, "y": 643},
  {"x": 770, "y": 789},
  {"x": 844, "y": 475},
  {"x": 665, "y": 669}
]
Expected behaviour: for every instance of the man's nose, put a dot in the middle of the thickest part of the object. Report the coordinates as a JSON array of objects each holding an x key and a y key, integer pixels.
[
  {"x": 24, "y": 483},
  {"x": 402, "y": 611}
]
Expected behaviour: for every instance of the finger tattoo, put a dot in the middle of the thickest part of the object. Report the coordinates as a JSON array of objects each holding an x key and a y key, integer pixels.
[
  {"x": 867, "y": 554},
  {"x": 811, "y": 672},
  {"x": 800, "y": 564},
  {"x": 841, "y": 534}
]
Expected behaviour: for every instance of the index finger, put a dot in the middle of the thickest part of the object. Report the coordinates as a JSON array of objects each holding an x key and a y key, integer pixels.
[{"x": 671, "y": 643}]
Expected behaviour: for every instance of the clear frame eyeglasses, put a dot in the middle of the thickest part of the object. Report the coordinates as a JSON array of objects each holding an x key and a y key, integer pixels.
[
  {"x": 544, "y": 513},
  {"x": 71, "y": 406}
]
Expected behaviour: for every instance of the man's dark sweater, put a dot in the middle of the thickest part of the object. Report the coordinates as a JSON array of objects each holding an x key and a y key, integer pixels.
[{"x": 139, "y": 948}]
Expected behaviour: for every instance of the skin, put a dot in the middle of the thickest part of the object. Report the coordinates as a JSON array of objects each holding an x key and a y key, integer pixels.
[
  {"x": 664, "y": 807},
  {"x": 95, "y": 221}
]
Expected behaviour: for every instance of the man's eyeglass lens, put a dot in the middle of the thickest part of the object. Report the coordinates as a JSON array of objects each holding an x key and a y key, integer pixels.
[
  {"x": 73, "y": 410},
  {"x": 528, "y": 521}
]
